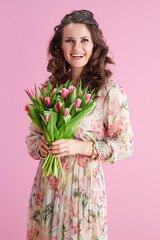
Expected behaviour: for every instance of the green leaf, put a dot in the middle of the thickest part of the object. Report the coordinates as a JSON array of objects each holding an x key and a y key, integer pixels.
[
  {"x": 47, "y": 94},
  {"x": 78, "y": 89},
  {"x": 55, "y": 130},
  {"x": 66, "y": 121},
  {"x": 37, "y": 97},
  {"x": 74, "y": 122},
  {"x": 41, "y": 110},
  {"x": 60, "y": 121},
  {"x": 53, "y": 101},
  {"x": 67, "y": 118},
  {"x": 62, "y": 109},
  {"x": 36, "y": 94},
  {"x": 48, "y": 137},
  {"x": 36, "y": 122},
  {"x": 55, "y": 117},
  {"x": 42, "y": 93},
  {"x": 73, "y": 112},
  {"x": 78, "y": 110},
  {"x": 50, "y": 87},
  {"x": 67, "y": 84},
  {"x": 84, "y": 93},
  {"x": 33, "y": 113},
  {"x": 50, "y": 126},
  {"x": 70, "y": 98},
  {"x": 70, "y": 107}
]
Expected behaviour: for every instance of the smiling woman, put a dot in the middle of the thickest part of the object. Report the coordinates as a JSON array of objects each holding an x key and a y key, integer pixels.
[{"x": 77, "y": 207}]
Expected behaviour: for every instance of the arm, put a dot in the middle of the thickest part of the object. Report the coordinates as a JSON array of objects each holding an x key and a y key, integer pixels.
[
  {"x": 118, "y": 143},
  {"x": 32, "y": 140}
]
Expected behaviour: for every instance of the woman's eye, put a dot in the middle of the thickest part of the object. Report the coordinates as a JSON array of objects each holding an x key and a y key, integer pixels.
[
  {"x": 85, "y": 40},
  {"x": 68, "y": 40}
]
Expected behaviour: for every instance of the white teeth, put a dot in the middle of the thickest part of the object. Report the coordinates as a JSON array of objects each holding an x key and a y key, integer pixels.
[{"x": 77, "y": 55}]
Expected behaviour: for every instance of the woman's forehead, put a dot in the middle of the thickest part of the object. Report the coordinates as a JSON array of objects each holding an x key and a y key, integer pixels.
[{"x": 76, "y": 30}]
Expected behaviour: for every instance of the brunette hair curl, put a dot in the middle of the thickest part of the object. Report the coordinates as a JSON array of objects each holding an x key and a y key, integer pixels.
[{"x": 95, "y": 73}]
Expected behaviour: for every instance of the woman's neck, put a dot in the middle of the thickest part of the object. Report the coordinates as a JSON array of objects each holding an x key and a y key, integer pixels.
[{"x": 75, "y": 75}]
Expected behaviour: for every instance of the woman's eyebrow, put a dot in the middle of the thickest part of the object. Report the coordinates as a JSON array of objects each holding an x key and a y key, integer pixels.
[{"x": 81, "y": 37}]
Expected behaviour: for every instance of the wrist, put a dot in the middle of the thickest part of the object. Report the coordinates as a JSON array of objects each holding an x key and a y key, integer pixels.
[{"x": 86, "y": 148}]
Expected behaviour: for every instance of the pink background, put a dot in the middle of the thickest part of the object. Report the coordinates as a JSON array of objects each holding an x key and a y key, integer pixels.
[{"x": 131, "y": 30}]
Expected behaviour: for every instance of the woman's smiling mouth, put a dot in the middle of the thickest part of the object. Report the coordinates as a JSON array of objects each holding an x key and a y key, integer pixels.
[{"x": 77, "y": 56}]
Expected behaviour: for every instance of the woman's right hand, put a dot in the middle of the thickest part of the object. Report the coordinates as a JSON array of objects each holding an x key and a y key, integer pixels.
[{"x": 43, "y": 146}]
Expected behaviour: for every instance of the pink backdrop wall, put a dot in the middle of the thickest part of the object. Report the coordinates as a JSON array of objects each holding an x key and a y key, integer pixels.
[{"x": 131, "y": 31}]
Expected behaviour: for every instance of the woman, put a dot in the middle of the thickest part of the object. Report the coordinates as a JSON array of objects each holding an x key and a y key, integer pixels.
[{"x": 76, "y": 208}]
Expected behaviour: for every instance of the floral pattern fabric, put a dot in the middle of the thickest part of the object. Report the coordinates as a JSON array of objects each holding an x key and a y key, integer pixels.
[{"x": 77, "y": 207}]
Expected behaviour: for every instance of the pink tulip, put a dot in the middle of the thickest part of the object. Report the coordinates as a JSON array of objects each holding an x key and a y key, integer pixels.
[
  {"x": 81, "y": 93},
  {"x": 47, "y": 116},
  {"x": 26, "y": 108},
  {"x": 58, "y": 106},
  {"x": 66, "y": 111},
  {"x": 54, "y": 90},
  {"x": 88, "y": 96},
  {"x": 47, "y": 101},
  {"x": 71, "y": 88},
  {"x": 77, "y": 103},
  {"x": 64, "y": 92},
  {"x": 41, "y": 98},
  {"x": 31, "y": 91}
]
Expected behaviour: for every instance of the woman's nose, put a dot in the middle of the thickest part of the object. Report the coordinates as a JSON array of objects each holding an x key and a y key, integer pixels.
[{"x": 77, "y": 46}]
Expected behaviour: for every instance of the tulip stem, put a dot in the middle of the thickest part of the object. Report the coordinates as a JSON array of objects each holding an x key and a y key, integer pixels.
[
  {"x": 46, "y": 160},
  {"x": 60, "y": 165}
]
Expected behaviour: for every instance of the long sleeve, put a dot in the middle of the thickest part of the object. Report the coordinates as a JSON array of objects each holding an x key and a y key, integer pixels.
[
  {"x": 32, "y": 140},
  {"x": 118, "y": 141}
]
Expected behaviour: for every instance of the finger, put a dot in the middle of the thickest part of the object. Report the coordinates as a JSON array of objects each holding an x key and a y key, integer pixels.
[
  {"x": 57, "y": 146},
  {"x": 44, "y": 139},
  {"x": 43, "y": 150},
  {"x": 58, "y": 151},
  {"x": 60, "y": 154},
  {"x": 62, "y": 140},
  {"x": 45, "y": 146}
]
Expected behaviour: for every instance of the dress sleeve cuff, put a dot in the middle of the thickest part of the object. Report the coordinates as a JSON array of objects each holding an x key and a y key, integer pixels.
[{"x": 107, "y": 151}]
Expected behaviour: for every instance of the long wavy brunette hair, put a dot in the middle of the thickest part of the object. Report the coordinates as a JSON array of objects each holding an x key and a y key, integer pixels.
[{"x": 95, "y": 73}]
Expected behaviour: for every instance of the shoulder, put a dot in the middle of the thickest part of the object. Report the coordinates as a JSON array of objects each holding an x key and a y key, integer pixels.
[
  {"x": 112, "y": 92},
  {"x": 112, "y": 86}
]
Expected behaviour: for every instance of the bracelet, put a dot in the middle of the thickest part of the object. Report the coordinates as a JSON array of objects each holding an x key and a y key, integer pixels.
[{"x": 94, "y": 151}]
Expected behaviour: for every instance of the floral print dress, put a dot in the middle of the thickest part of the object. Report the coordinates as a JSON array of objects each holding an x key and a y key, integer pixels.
[{"x": 77, "y": 207}]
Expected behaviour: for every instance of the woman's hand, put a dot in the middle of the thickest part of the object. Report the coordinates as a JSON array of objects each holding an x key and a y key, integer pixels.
[
  {"x": 64, "y": 147},
  {"x": 43, "y": 146}
]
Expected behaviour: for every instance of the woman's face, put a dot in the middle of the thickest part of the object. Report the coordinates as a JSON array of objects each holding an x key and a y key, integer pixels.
[{"x": 77, "y": 45}]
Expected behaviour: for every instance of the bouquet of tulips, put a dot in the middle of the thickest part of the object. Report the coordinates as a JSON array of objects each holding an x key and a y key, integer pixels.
[{"x": 58, "y": 112}]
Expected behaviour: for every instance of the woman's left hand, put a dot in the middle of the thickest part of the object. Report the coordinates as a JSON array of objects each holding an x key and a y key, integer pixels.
[{"x": 64, "y": 147}]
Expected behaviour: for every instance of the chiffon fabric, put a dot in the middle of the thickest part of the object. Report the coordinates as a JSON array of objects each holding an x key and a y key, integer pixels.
[{"x": 77, "y": 207}]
